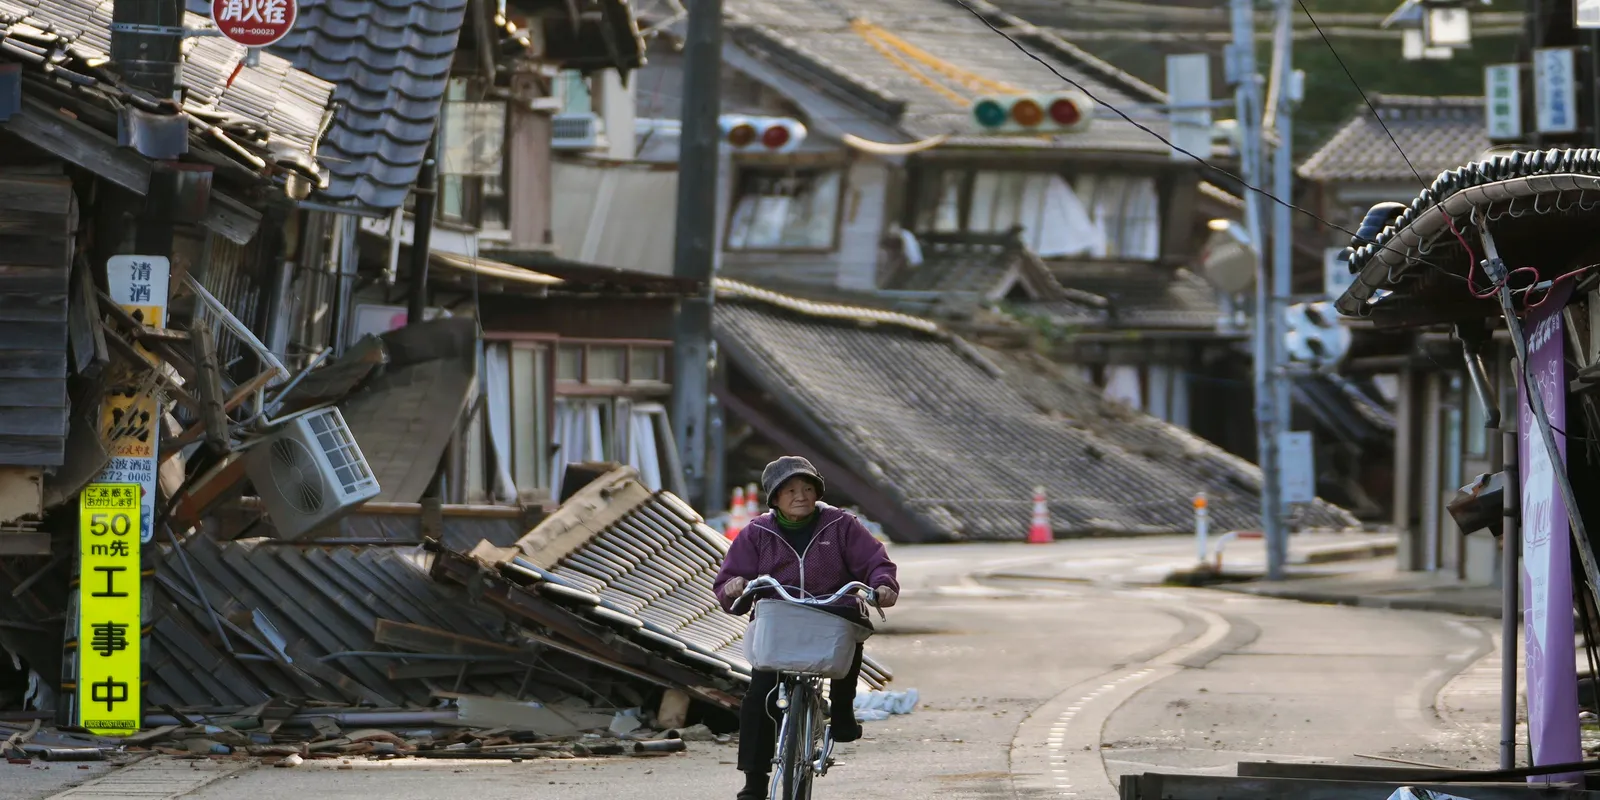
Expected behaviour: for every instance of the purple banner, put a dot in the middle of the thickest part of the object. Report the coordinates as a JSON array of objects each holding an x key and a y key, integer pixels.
[{"x": 1547, "y": 548}]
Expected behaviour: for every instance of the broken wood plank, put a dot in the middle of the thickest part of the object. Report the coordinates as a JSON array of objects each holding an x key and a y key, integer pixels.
[
  {"x": 88, "y": 341},
  {"x": 423, "y": 639},
  {"x": 213, "y": 409},
  {"x": 139, "y": 360},
  {"x": 236, "y": 399}
]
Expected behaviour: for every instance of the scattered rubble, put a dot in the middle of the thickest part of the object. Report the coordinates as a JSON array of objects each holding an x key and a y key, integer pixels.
[{"x": 594, "y": 634}]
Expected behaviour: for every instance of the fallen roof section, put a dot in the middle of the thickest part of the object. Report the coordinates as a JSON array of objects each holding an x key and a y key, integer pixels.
[
  {"x": 640, "y": 563},
  {"x": 956, "y": 439}
]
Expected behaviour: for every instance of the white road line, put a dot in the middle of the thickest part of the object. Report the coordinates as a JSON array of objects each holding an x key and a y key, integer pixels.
[{"x": 1057, "y": 748}]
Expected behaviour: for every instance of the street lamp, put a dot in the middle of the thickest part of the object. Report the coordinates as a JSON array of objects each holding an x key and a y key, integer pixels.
[{"x": 1228, "y": 259}]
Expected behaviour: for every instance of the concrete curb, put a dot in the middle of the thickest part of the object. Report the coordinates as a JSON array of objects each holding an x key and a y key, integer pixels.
[
  {"x": 1444, "y": 605},
  {"x": 1332, "y": 554}
]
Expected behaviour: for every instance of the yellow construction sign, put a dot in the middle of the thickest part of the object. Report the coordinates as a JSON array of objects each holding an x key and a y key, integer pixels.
[{"x": 108, "y": 608}]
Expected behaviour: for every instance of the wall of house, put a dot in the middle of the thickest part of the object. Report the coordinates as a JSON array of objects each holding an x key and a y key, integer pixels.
[{"x": 40, "y": 215}]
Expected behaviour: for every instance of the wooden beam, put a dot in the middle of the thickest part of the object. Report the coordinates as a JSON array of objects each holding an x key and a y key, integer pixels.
[
  {"x": 240, "y": 394},
  {"x": 213, "y": 411},
  {"x": 77, "y": 143}
]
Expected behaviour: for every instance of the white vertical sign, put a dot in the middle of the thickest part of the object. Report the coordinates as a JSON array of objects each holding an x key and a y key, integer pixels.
[
  {"x": 1297, "y": 467},
  {"x": 1502, "y": 92},
  {"x": 1336, "y": 277},
  {"x": 1555, "y": 95},
  {"x": 1586, "y": 13},
  {"x": 139, "y": 284},
  {"x": 1189, "y": 87}
]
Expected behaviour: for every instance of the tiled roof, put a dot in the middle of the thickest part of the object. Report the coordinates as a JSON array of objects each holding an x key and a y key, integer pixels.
[
  {"x": 969, "y": 269},
  {"x": 390, "y": 60},
  {"x": 959, "y": 441},
  {"x": 1145, "y": 296},
  {"x": 1437, "y": 133},
  {"x": 817, "y": 36},
  {"x": 975, "y": 267},
  {"x": 274, "y": 98}
]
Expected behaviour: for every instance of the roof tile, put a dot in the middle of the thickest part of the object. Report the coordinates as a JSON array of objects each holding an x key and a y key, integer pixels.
[
  {"x": 390, "y": 60},
  {"x": 287, "y": 103},
  {"x": 1436, "y": 133},
  {"x": 948, "y": 32}
]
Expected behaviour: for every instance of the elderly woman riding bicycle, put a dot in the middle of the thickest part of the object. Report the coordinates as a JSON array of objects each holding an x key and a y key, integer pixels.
[{"x": 806, "y": 545}]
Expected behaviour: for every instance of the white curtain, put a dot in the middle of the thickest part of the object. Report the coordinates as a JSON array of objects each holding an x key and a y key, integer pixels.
[
  {"x": 1065, "y": 228},
  {"x": 1123, "y": 385},
  {"x": 642, "y": 453},
  {"x": 1054, "y": 220},
  {"x": 1126, "y": 213},
  {"x": 497, "y": 397}
]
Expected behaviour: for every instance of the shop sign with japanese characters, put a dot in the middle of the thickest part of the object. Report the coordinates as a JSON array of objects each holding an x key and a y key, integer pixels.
[
  {"x": 108, "y": 608},
  {"x": 254, "y": 23},
  {"x": 129, "y": 418},
  {"x": 1555, "y": 96}
]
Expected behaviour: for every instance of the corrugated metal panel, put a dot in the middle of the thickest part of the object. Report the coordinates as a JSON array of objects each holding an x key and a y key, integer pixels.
[
  {"x": 229, "y": 276},
  {"x": 321, "y": 601}
]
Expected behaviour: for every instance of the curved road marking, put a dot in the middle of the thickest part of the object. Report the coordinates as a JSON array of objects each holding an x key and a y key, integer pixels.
[{"x": 1056, "y": 752}]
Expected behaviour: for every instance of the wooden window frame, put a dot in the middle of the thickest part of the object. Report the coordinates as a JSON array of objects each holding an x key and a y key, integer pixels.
[{"x": 741, "y": 168}]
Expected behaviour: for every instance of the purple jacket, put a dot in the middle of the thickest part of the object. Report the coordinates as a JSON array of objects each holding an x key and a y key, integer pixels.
[{"x": 841, "y": 551}]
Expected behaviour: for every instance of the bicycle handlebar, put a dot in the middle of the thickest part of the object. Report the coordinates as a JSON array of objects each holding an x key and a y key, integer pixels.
[{"x": 769, "y": 582}]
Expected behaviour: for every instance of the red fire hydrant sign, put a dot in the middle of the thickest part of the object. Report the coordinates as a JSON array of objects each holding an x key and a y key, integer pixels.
[{"x": 254, "y": 23}]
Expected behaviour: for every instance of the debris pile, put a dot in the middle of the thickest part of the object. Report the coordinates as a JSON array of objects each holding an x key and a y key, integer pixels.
[
  {"x": 318, "y": 735},
  {"x": 594, "y": 633}
]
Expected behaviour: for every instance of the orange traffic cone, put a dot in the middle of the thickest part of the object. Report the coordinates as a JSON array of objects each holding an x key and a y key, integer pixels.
[
  {"x": 752, "y": 504},
  {"x": 1039, "y": 532},
  {"x": 736, "y": 515}
]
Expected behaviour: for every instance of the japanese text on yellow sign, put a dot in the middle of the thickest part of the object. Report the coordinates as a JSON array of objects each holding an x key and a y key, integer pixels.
[{"x": 108, "y": 609}]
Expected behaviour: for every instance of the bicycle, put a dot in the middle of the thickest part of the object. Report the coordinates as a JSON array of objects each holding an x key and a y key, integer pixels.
[{"x": 805, "y": 649}]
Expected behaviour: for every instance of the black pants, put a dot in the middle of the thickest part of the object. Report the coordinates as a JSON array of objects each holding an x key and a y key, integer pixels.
[{"x": 758, "y": 715}]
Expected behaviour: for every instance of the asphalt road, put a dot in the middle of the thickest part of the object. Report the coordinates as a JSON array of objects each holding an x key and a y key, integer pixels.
[{"x": 1049, "y": 688}]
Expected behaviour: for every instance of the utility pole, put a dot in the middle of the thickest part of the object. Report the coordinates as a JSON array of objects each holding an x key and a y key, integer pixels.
[
  {"x": 694, "y": 254},
  {"x": 1242, "y": 73},
  {"x": 423, "y": 210},
  {"x": 1277, "y": 531}
]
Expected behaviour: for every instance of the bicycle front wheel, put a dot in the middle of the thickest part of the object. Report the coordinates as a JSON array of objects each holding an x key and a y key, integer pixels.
[{"x": 792, "y": 778}]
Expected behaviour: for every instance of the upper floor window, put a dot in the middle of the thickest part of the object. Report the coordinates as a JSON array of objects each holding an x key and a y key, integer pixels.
[
  {"x": 778, "y": 208},
  {"x": 1092, "y": 215},
  {"x": 472, "y": 135}
]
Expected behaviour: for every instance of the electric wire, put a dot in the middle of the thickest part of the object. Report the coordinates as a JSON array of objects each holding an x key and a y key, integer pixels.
[{"x": 1164, "y": 140}]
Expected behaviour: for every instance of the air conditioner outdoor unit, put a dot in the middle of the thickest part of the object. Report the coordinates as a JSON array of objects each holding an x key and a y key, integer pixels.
[
  {"x": 310, "y": 471},
  {"x": 575, "y": 132}
]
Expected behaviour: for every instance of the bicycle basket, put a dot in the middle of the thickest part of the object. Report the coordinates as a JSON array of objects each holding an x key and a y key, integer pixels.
[{"x": 789, "y": 637}]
